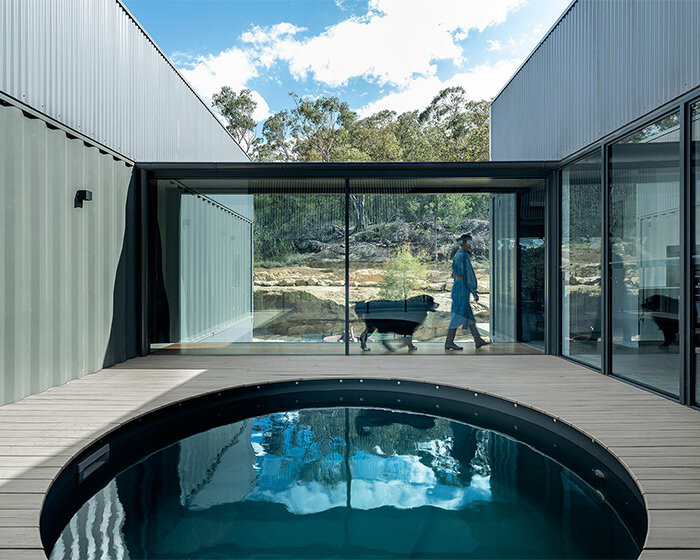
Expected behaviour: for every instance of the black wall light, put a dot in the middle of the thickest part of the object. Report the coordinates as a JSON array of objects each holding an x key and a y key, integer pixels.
[{"x": 80, "y": 197}]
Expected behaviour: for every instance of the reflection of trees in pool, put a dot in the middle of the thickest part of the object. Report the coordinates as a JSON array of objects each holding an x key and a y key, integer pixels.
[
  {"x": 277, "y": 486},
  {"x": 315, "y": 439}
]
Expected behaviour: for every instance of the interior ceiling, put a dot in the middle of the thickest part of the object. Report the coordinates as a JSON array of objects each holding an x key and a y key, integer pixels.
[{"x": 456, "y": 184}]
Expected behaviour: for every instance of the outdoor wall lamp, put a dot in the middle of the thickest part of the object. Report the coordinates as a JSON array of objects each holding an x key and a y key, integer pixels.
[{"x": 80, "y": 197}]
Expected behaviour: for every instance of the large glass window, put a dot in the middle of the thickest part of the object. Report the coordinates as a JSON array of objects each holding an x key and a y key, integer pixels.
[
  {"x": 695, "y": 151},
  {"x": 250, "y": 266},
  {"x": 402, "y": 242},
  {"x": 258, "y": 266},
  {"x": 580, "y": 260},
  {"x": 644, "y": 255},
  {"x": 531, "y": 270}
]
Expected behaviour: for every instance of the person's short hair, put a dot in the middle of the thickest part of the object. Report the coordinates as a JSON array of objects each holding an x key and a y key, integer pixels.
[{"x": 465, "y": 236}]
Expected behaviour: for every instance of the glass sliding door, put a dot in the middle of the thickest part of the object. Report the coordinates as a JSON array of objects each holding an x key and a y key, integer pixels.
[
  {"x": 504, "y": 267},
  {"x": 581, "y": 260},
  {"x": 258, "y": 265},
  {"x": 531, "y": 269},
  {"x": 402, "y": 241},
  {"x": 644, "y": 255},
  {"x": 249, "y": 267},
  {"x": 695, "y": 180}
]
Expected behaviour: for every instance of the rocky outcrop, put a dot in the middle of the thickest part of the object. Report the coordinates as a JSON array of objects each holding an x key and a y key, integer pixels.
[{"x": 375, "y": 243}]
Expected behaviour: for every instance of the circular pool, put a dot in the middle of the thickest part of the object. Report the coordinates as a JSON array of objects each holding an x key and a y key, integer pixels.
[{"x": 328, "y": 470}]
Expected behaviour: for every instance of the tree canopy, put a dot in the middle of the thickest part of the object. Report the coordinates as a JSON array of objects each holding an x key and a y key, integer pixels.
[{"x": 450, "y": 128}]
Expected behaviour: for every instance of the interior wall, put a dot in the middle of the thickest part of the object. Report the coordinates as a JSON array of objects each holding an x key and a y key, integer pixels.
[
  {"x": 504, "y": 261},
  {"x": 58, "y": 263},
  {"x": 204, "y": 258}
]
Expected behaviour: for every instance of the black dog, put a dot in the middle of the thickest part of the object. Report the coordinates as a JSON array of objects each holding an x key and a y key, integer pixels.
[
  {"x": 664, "y": 311},
  {"x": 400, "y": 317}
]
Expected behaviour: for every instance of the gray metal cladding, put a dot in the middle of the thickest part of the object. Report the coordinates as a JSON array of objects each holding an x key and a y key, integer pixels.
[
  {"x": 503, "y": 278},
  {"x": 87, "y": 64},
  {"x": 215, "y": 269},
  {"x": 606, "y": 63},
  {"x": 58, "y": 263},
  {"x": 207, "y": 267}
]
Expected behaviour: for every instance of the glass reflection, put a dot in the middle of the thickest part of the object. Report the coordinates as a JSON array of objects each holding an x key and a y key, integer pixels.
[
  {"x": 580, "y": 260},
  {"x": 402, "y": 242},
  {"x": 695, "y": 171},
  {"x": 644, "y": 255},
  {"x": 531, "y": 251},
  {"x": 347, "y": 483},
  {"x": 239, "y": 265}
]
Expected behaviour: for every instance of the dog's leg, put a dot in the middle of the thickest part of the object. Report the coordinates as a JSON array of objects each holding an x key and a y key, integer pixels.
[
  {"x": 364, "y": 336},
  {"x": 409, "y": 343}
]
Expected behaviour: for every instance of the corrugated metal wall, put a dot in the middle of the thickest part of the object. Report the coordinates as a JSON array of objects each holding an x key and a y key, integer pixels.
[
  {"x": 207, "y": 266},
  {"x": 607, "y": 63},
  {"x": 88, "y": 65},
  {"x": 58, "y": 264},
  {"x": 503, "y": 279}
]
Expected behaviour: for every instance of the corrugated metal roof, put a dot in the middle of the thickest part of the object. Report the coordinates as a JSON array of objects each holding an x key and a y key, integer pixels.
[{"x": 91, "y": 66}]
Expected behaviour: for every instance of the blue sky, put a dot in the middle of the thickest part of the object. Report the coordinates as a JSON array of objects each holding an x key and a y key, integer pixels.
[{"x": 374, "y": 54}]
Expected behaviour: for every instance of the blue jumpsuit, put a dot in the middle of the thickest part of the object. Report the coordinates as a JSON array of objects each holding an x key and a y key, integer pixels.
[{"x": 461, "y": 309}]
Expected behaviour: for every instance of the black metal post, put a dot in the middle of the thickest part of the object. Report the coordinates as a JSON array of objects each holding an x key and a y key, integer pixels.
[
  {"x": 552, "y": 266},
  {"x": 606, "y": 324},
  {"x": 686, "y": 331},
  {"x": 347, "y": 266},
  {"x": 518, "y": 272},
  {"x": 143, "y": 264}
]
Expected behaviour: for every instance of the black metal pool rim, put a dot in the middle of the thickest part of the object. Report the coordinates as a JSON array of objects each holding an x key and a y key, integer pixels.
[{"x": 138, "y": 438}]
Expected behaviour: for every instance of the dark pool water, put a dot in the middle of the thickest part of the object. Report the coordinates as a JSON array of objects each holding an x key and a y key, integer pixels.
[{"x": 346, "y": 483}]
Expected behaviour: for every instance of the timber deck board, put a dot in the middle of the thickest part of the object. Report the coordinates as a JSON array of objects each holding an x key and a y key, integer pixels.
[{"x": 656, "y": 439}]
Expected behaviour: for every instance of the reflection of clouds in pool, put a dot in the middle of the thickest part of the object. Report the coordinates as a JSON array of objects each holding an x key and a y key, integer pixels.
[
  {"x": 263, "y": 461},
  {"x": 402, "y": 482}
]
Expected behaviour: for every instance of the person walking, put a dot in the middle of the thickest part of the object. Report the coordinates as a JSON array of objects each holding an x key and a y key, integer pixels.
[{"x": 464, "y": 285}]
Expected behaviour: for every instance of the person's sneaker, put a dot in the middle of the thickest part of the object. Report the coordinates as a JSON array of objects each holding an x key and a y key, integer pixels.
[{"x": 452, "y": 346}]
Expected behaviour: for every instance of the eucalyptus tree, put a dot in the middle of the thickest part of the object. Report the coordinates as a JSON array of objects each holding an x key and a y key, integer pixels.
[{"x": 238, "y": 109}]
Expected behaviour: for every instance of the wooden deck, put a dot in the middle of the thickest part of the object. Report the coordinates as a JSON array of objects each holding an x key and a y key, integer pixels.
[{"x": 658, "y": 440}]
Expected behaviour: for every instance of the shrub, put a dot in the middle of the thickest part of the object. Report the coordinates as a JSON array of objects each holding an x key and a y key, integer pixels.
[{"x": 403, "y": 274}]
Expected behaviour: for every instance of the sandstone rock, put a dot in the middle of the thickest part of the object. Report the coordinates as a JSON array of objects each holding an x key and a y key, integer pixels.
[
  {"x": 301, "y": 282},
  {"x": 368, "y": 284},
  {"x": 313, "y": 281},
  {"x": 309, "y": 246},
  {"x": 324, "y": 282},
  {"x": 338, "y": 283}
]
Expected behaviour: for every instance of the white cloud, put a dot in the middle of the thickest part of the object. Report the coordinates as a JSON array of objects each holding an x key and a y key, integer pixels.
[
  {"x": 494, "y": 45},
  {"x": 481, "y": 82},
  {"x": 394, "y": 42},
  {"x": 233, "y": 68},
  {"x": 259, "y": 34},
  {"x": 397, "y": 43}
]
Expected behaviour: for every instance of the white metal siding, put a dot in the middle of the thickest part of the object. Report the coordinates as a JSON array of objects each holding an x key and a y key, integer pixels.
[
  {"x": 606, "y": 63},
  {"x": 87, "y": 64}
]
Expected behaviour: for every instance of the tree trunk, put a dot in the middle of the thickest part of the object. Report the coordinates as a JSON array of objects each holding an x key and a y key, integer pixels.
[
  {"x": 437, "y": 202},
  {"x": 359, "y": 204}
]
